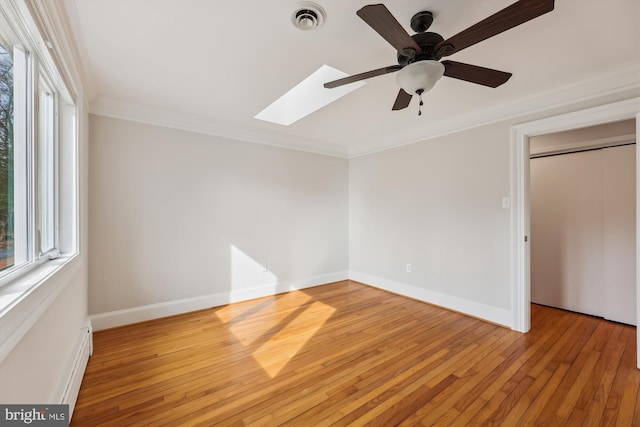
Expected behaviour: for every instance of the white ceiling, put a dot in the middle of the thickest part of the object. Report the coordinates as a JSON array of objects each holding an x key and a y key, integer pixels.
[{"x": 212, "y": 65}]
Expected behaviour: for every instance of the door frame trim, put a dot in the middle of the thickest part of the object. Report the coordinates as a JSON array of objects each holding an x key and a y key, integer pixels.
[{"x": 520, "y": 212}]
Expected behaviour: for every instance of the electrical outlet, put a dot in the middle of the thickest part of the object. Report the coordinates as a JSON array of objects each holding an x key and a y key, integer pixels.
[
  {"x": 265, "y": 267},
  {"x": 408, "y": 268}
]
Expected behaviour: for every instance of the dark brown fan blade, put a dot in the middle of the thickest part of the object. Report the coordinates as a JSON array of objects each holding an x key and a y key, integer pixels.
[
  {"x": 402, "y": 100},
  {"x": 362, "y": 76},
  {"x": 475, "y": 74},
  {"x": 512, "y": 16},
  {"x": 382, "y": 21}
]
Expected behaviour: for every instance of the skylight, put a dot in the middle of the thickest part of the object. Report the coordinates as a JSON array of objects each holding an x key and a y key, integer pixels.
[{"x": 307, "y": 96}]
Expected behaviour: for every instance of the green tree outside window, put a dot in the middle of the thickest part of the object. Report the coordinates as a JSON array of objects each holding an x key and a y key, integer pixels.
[{"x": 6, "y": 158}]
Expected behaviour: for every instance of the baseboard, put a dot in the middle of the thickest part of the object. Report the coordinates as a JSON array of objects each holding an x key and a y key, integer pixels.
[
  {"x": 472, "y": 308},
  {"x": 154, "y": 311},
  {"x": 70, "y": 395}
]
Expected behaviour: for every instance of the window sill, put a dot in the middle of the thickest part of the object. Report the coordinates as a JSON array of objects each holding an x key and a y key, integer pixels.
[{"x": 23, "y": 301}]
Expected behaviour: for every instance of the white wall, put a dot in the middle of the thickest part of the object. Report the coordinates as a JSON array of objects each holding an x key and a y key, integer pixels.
[
  {"x": 438, "y": 206},
  {"x": 181, "y": 220},
  {"x": 39, "y": 368}
]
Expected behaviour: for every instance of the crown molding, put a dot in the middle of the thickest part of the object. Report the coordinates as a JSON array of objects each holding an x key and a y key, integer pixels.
[
  {"x": 109, "y": 107},
  {"x": 78, "y": 47},
  {"x": 623, "y": 80}
]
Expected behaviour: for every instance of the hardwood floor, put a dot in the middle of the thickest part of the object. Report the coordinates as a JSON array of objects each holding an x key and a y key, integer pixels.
[{"x": 349, "y": 354}]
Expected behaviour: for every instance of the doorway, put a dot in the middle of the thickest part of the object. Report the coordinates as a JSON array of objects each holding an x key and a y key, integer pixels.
[
  {"x": 583, "y": 220},
  {"x": 520, "y": 213}
]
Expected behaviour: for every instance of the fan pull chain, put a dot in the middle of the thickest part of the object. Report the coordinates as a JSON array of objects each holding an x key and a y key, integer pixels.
[{"x": 419, "y": 92}]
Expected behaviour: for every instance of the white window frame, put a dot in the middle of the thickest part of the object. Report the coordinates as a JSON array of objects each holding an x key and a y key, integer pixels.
[
  {"x": 27, "y": 292},
  {"x": 47, "y": 143},
  {"x": 21, "y": 138},
  {"x": 30, "y": 81}
]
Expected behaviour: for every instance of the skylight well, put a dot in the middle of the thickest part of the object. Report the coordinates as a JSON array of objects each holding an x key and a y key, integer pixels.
[{"x": 307, "y": 97}]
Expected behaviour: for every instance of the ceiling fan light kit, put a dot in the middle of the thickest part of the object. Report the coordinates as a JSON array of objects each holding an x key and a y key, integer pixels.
[
  {"x": 419, "y": 66},
  {"x": 419, "y": 76}
]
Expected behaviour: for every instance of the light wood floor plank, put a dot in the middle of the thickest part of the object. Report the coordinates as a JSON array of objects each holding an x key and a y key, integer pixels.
[{"x": 348, "y": 354}]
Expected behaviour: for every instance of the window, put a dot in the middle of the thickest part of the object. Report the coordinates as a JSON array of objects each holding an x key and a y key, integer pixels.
[
  {"x": 28, "y": 158},
  {"x": 39, "y": 168}
]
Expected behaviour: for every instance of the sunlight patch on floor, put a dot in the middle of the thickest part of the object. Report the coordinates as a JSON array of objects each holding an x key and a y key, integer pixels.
[
  {"x": 229, "y": 312},
  {"x": 252, "y": 328},
  {"x": 273, "y": 329},
  {"x": 274, "y": 354}
]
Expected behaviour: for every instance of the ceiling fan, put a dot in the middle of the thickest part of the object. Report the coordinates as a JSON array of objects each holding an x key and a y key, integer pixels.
[{"x": 419, "y": 55}]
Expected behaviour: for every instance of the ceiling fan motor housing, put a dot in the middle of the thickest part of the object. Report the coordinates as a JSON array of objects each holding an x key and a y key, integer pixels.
[
  {"x": 427, "y": 42},
  {"x": 421, "y": 21}
]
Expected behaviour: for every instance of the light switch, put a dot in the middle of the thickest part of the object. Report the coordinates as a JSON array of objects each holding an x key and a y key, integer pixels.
[{"x": 506, "y": 202}]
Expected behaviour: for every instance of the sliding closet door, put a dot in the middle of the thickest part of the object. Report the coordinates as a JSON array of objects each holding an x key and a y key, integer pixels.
[
  {"x": 619, "y": 233},
  {"x": 583, "y": 232},
  {"x": 566, "y": 232}
]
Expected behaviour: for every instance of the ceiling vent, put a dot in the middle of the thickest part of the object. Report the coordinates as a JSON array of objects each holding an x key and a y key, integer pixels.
[{"x": 308, "y": 16}]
